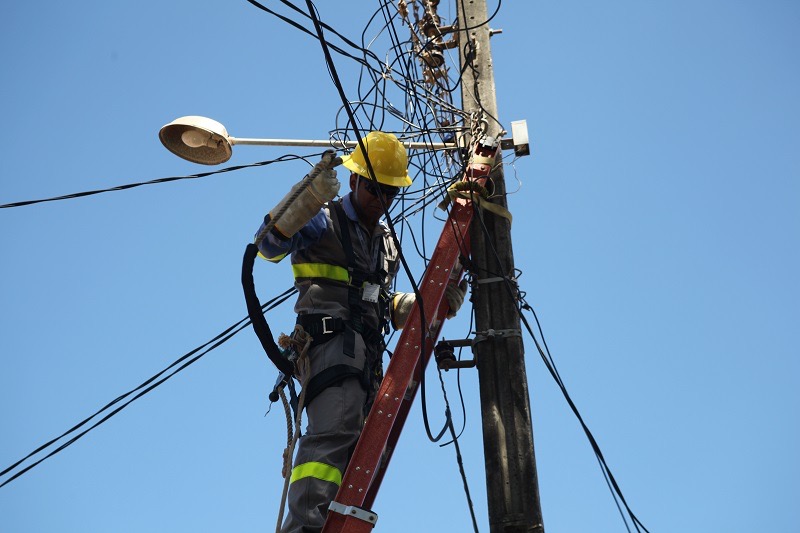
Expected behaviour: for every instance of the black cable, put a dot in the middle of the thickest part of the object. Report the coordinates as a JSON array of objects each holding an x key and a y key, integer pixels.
[
  {"x": 460, "y": 462},
  {"x": 592, "y": 441},
  {"x": 148, "y": 385},
  {"x": 307, "y": 31},
  {"x": 289, "y": 157},
  {"x": 485, "y": 22},
  {"x": 460, "y": 392},
  {"x": 354, "y": 125},
  {"x": 423, "y": 329}
]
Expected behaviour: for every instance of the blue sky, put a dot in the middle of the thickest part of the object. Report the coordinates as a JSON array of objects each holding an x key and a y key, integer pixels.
[{"x": 655, "y": 224}]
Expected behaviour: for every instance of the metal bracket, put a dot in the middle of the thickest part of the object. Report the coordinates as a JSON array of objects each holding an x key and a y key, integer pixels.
[
  {"x": 519, "y": 139},
  {"x": 493, "y": 333},
  {"x": 445, "y": 354},
  {"x": 355, "y": 512}
]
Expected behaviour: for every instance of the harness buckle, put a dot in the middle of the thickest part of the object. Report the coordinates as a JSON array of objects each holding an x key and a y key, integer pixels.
[{"x": 325, "y": 328}]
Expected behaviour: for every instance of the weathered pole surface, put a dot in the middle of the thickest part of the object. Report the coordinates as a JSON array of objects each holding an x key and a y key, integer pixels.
[{"x": 511, "y": 479}]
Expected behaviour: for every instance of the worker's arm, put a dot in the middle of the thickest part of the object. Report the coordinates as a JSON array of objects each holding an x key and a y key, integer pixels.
[
  {"x": 300, "y": 220},
  {"x": 305, "y": 200},
  {"x": 276, "y": 246}
]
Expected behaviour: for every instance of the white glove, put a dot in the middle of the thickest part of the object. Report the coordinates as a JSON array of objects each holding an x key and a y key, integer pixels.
[
  {"x": 325, "y": 186},
  {"x": 455, "y": 296},
  {"x": 322, "y": 189},
  {"x": 401, "y": 308}
]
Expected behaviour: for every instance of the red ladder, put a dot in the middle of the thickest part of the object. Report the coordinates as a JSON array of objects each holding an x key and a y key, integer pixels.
[{"x": 349, "y": 512}]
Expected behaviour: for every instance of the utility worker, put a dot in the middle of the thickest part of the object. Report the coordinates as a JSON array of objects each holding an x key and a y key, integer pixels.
[{"x": 344, "y": 260}]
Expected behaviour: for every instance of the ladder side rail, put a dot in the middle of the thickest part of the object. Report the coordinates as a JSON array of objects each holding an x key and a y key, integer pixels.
[
  {"x": 399, "y": 423},
  {"x": 411, "y": 393},
  {"x": 409, "y": 359}
]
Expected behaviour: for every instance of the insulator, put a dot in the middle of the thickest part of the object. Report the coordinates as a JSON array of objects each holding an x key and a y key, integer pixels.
[
  {"x": 433, "y": 57},
  {"x": 444, "y": 351},
  {"x": 402, "y": 8}
]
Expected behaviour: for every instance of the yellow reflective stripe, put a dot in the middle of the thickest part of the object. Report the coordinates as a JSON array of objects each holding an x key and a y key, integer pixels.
[
  {"x": 275, "y": 259},
  {"x": 318, "y": 471},
  {"x": 321, "y": 270}
]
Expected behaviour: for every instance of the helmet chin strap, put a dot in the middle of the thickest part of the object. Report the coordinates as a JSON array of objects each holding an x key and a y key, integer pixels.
[
  {"x": 355, "y": 194},
  {"x": 356, "y": 203}
]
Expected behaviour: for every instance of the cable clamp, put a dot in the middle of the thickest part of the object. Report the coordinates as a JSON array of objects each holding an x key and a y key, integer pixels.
[
  {"x": 355, "y": 512},
  {"x": 493, "y": 333}
]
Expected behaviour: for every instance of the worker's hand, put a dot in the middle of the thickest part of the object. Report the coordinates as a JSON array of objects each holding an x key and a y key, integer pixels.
[
  {"x": 455, "y": 296},
  {"x": 325, "y": 186},
  {"x": 297, "y": 208},
  {"x": 402, "y": 302}
]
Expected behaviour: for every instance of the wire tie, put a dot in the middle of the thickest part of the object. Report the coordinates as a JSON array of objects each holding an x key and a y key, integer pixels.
[{"x": 481, "y": 281}]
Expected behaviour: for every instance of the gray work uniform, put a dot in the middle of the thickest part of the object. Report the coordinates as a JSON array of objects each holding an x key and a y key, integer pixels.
[{"x": 346, "y": 368}]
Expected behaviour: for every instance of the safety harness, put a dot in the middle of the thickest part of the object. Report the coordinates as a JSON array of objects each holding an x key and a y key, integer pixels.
[{"x": 321, "y": 327}]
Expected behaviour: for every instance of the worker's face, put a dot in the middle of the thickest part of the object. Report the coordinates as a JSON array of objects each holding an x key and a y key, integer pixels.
[{"x": 367, "y": 203}]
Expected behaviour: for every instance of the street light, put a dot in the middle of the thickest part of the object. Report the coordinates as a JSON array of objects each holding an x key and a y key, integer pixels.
[{"x": 206, "y": 141}]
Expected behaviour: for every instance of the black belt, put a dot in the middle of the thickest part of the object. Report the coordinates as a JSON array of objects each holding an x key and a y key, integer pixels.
[
  {"x": 324, "y": 327},
  {"x": 321, "y": 327}
]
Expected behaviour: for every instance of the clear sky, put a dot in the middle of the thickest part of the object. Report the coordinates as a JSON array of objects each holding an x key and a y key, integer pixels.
[{"x": 655, "y": 224}]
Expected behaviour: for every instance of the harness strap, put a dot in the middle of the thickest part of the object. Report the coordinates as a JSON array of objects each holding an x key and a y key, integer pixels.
[
  {"x": 327, "y": 378},
  {"x": 356, "y": 281},
  {"x": 321, "y": 327}
]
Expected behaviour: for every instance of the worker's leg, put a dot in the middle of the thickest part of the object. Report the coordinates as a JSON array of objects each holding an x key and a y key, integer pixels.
[{"x": 335, "y": 418}]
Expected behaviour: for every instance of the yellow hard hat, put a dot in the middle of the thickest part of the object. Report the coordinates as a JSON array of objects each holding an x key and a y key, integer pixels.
[{"x": 386, "y": 155}]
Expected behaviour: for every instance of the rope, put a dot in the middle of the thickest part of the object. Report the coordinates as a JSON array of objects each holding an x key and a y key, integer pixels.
[
  {"x": 469, "y": 190},
  {"x": 301, "y": 338},
  {"x": 287, "y": 410}
]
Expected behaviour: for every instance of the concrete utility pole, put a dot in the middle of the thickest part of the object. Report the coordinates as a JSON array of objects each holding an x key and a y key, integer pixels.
[{"x": 511, "y": 479}]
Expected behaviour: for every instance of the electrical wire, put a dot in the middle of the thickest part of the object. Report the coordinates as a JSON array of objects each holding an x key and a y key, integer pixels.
[
  {"x": 448, "y": 423},
  {"x": 424, "y": 100},
  {"x": 550, "y": 365},
  {"x": 282, "y": 159},
  {"x": 134, "y": 394}
]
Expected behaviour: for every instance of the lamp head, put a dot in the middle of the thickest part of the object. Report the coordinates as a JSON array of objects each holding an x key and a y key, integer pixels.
[{"x": 197, "y": 139}]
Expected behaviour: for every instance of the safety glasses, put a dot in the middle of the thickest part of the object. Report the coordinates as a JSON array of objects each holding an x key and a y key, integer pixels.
[{"x": 388, "y": 191}]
